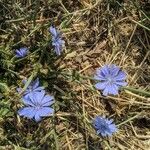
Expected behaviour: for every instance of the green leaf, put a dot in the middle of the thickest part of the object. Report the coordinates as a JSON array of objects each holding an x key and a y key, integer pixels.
[{"x": 4, "y": 87}]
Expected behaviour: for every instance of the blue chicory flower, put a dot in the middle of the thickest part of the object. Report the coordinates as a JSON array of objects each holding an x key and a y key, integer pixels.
[
  {"x": 57, "y": 41},
  {"x": 22, "y": 52},
  {"x": 111, "y": 79},
  {"x": 33, "y": 87},
  {"x": 37, "y": 106},
  {"x": 104, "y": 126}
]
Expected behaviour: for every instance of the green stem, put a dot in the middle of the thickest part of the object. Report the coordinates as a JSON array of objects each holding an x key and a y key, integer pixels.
[
  {"x": 81, "y": 76},
  {"x": 128, "y": 120},
  {"x": 19, "y": 60},
  {"x": 34, "y": 73},
  {"x": 13, "y": 72},
  {"x": 56, "y": 140},
  {"x": 132, "y": 89},
  {"x": 28, "y": 82},
  {"x": 2, "y": 51}
]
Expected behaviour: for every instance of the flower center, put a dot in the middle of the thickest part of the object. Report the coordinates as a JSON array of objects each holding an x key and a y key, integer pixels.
[
  {"x": 110, "y": 79},
  {"x": 38, "y": 106},
  {"x": 104, "y": 127}
]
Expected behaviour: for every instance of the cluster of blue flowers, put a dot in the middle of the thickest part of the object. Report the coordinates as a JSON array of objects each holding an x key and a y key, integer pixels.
[
  {"x": 37, "y": 102},
  {"x": 57, "y": 43},
  {"x": 110, "y": 78}
]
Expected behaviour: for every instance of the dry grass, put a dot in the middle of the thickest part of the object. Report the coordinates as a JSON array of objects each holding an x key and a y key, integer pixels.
[{"x": 96, "y": 33}]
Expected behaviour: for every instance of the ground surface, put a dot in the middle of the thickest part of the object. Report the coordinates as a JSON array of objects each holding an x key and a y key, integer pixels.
[{"x": 95, "y": 33}]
